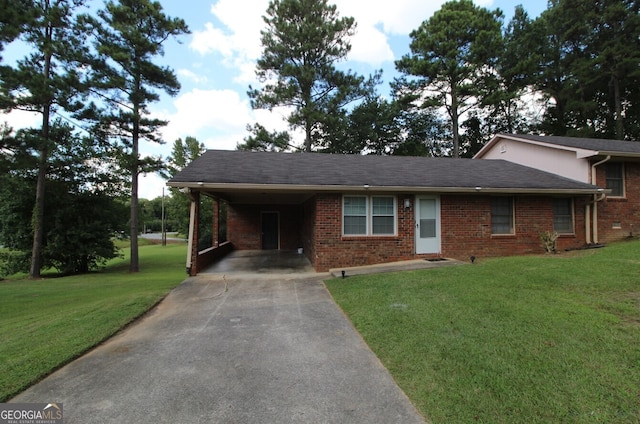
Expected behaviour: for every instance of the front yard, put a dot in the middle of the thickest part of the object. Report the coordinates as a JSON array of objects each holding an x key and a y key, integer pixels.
[
  {"x": 47, "y": 323},
  {"x": 514, "y": 340}
]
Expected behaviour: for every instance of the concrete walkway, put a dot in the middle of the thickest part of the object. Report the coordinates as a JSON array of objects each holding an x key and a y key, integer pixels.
[{"x": 232, "y": 349}]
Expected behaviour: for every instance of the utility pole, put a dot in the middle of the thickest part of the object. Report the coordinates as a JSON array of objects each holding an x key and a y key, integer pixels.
[{"x": 164, "y": 233}]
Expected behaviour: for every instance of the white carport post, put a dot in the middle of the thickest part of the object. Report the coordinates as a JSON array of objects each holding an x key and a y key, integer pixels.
[{"x": 193, "y": 232}]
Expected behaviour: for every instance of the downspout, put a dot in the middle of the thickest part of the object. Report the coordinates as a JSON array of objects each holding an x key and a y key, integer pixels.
[{"x": 595, "y": 203}]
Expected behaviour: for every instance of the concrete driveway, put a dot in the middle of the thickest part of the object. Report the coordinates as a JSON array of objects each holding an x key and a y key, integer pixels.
[{"x": 232, "y": 349}]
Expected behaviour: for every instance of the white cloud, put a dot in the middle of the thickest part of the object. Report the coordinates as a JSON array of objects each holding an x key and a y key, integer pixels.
[
  {"x": 370, "y": 46},
  {"x": 212, "y": 110},
  {"x": 150, "y": 186},
  {"x": 197, "y": 78},
  {"x": 17, "y": 119},
  {"x": 398, "y": 17},
  {"x": 235, "y": 35},
  {"x": 235, "y": 32},
  {"x": 211, "y": 40},
  {"x": 218, "y": 118}
]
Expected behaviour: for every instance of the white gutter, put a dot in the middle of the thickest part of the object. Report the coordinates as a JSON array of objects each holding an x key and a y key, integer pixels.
[
  {"x": 595, "y": 206},
  {"x": 235, "y": 187}
]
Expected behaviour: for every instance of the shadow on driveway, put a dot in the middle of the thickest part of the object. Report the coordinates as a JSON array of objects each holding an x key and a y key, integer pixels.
[{"x": 225, "y": 349}]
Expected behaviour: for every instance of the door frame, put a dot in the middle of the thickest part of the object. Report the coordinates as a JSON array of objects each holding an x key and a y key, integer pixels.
[
  {"x": 262, "y": 228},
  {"x": 437, "y": 242}
]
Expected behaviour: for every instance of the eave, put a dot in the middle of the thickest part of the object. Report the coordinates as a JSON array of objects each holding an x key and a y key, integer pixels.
[{"x": 236, "y": 188}]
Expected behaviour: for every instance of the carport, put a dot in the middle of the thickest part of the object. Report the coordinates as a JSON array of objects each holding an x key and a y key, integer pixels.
[
  {"x": 278, "y": 262},
  {"x": 270, "y": 221}
]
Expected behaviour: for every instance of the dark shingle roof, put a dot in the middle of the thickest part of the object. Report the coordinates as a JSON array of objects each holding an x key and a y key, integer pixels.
[
  {"x": 599, "y": 145},
  {"x": 318, "y": 170}
]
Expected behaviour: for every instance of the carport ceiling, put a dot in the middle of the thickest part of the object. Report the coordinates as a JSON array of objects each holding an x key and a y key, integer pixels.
[{"x": 260, "y": 197}]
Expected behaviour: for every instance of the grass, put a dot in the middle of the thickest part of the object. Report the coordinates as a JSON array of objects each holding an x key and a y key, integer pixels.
[
  {"x": 49, "y": 322},
  {"x": 513, "y": 340}
]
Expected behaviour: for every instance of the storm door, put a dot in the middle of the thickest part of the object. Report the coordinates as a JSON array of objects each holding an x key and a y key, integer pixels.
[{"x": 428, "y": 224}]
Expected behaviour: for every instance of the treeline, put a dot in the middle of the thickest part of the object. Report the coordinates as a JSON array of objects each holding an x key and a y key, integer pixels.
[
  {"x": 471, "y": 73},
  {"x": 89, "y": 74}
]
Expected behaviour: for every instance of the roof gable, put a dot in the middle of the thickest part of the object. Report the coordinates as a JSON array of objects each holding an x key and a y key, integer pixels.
[
  {"x": 585, "y": 147},
  {"x": 319, "y": 171}
]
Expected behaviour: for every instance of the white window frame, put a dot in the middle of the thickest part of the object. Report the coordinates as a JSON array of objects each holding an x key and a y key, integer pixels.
[{"x": 369, "y": 215}]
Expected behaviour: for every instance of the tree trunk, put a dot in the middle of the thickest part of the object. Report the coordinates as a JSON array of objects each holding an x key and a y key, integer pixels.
[
  {"x": 307, "y": 139},
  {"x": 134, "y": 263},
  {"x": 38, "y": 210},
  {"x": 454, "y": 124},
  {"x": 618, "y": 102}
]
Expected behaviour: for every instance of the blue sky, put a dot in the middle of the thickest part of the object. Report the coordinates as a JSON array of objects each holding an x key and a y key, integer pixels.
[{"x": 215, "y": 64}]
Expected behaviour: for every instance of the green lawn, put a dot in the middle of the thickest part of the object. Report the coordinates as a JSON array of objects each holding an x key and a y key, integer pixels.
[
  {"x": 535, "y": 339},
  {"x": 46, "y": 323}
]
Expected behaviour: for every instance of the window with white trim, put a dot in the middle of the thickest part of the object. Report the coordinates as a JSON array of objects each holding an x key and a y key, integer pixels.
[
  {"x": 354, "y": 215},
  {"x": 369, "y": 215}
]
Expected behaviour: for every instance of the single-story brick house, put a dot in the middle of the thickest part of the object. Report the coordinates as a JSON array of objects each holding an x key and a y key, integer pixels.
[
  {"x": 612, "y": 164},
  {"x": 350, "y": 210}
]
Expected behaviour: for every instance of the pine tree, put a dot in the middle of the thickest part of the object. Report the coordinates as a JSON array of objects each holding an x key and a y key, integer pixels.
[
  {"x": 450, "y": 55},
  {"x": 129, "y": 36},
  {"x": 48, "y": 81},
  {"x": 302, "y": 44}
]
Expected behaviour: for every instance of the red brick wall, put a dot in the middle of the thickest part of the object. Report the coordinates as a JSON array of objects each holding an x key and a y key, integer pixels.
[
  {"x": 623, "y": 211},
  {"x": 466, "y": 231},
  {"x": 466, "y": 226},
  {"x": 308, "y": 224},
  {"x": 465, "y": 222},
  {"x": 244, "y": 226},
  {"x": 332, "y": 250}
]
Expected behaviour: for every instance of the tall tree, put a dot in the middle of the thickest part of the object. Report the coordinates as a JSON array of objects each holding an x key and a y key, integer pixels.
[
  {"x": 589, "y": 67},
  {"x": 47, "y": 81},
  {"x": 513, "y": 77},
  {"x": 451, "y": 54},
  {"x": 371, "y": 127},
  {"x": 567, "y": 98},
  {"x": 14, "y": 16},
  {"x": 606, "y": 61},
  {"x": 183, "y": 153},
  {"x": 82, "y": 213},
  {"x": 302, "y": 44},
  {"x": 424, "y": 133},
  {"x": 129, "y": 36},
  {"x": 261, "y": 139}
]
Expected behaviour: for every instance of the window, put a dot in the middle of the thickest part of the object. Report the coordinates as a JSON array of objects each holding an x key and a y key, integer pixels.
[
  {"x": 369, "y": 215},
  {"x": 563, "y": 215},
  {"x": 502, "y": 215},
  {"x": 615, "y": 178},
  {"x": 382, "y": 215},
  {"x": 355, "y": 215}
]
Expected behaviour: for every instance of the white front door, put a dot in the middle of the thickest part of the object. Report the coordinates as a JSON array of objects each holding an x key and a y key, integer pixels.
[{"x": 427, "y": 224}]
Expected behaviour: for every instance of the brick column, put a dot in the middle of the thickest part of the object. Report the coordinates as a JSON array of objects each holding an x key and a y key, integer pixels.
[{"x": 216, "y": 223}]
